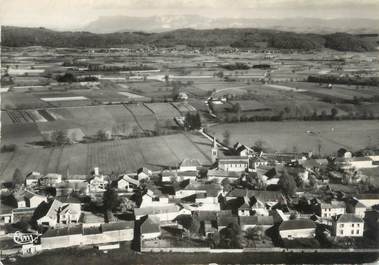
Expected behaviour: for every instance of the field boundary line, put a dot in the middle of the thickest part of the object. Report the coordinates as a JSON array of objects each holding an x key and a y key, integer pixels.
[
  {"x": 7, "y": 164},
  {"x": 60, "y": 150},
  {"x": 48, "y": 161},
  {"x": 198, "y": 148},
  {"x": 134, "y": 117}
]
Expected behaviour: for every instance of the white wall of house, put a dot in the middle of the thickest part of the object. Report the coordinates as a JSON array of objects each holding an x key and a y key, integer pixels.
[
  {"x": 362, "y": 164},
  {"x": 298, "y": 233},
  {"x": 349, "y": 229},
  {"x": 147, "y": 236},
  {"x": 30, "y": 182},
  {"x": 122, "y": 184},
  {"x": 243, "y": 212},
  {"x": 360, "y": 211},
  {"x": 21, "y": 204},
  {"x": 369, "y": 202},
  {"x": 187, "y": 168},
  {"x": 207, "y": 200},
  {"x": 36, "y": 200},
  {"x": 234, "y": 167},
  {"x": 47, "y": 221},
  {"x": 330, "y": 212}
]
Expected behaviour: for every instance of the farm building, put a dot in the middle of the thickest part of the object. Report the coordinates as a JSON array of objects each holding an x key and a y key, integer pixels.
[
  {"x": 328, "y": 210},
  {"x": 348, "y": 225},
  {"x": 150, "y": 228},
  {"x": 247, "y": 222},
  {"x": 300, "y": 228},
  {"x": 233, "y": 163}
]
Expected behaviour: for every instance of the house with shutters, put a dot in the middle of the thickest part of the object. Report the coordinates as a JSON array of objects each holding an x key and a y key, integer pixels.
[
  {"x": 331, "y": 209},
  {"x": 233, "y": 163},
  {"x": 348, "y": 225}
]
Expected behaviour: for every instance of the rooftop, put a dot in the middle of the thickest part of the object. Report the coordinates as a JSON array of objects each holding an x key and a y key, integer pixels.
[
  {"x": 297, "y": 224},
  {"x": 152, "y": 210},
  {"x": 349, "y": 218},
  {"x": 151, "y": 225},
  {"x": 190, "y": 163},
  {"x": 115, "y": 226},
  {"x": 65, "y": 231},
  {"x": 256, "y": 220}
]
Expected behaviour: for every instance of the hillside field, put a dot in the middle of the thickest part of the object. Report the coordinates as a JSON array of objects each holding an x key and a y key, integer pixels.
[
  {"x": 117, "y": 156},
  {"x": 290, "y": 135}
]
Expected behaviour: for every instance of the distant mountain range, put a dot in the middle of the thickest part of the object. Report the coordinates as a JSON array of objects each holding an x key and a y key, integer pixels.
[
  {"x": 110, "y": 24},
  {"x": 233, "y": 37}
]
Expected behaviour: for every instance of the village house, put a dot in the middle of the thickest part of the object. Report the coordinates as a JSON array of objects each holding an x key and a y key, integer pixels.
[
  {"x": 368, "y": 200},
  {"x": 187, "y": 175},
  {"x": 32, "y": 178},
  {"x": 25, "y": 198},
  {"x": 298, "y": 228},
  {"x": 50, "y": 179},
  {"x": 144, "y": 173},
  {"x": 169, "y": 176},
  {"x": 150, "y": 228},
  {"x": 328, "y": 210},
  {"x": 243, "y": 150},
  {"x": 208, "y": 221},
  {"x": 233, "y": 163},
  {"x": 257, "y": 162},
  {"x": 90, "y": 219},
  {"x": 98, "y": 183},
  {"x": 244, "y": 209},
  {"x": 225, "y": 218},
  {"x": 219, "y": 175},
  {"x": 62, "y": 237},
  {"x": 355, "y": 163},
  {"x": 76, "y": 179},
  {"x": 248, "y": 222},
  {"x": 268, "y": 177},
  {"x": 153, "y": 198},
  {"x": 348, "y": 225},
  {"x": 76, "y": 235},
  {"x": 356, "y": 207},
  {"x": 165, "y": 213},
  {"x": 59, "y": 213},
  {"x": 126, "y": 183},
  {"x": 189, "y": 165}
]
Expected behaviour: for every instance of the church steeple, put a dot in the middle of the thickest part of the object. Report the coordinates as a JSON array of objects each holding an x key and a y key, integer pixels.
[{"x": 214, "y": 150}]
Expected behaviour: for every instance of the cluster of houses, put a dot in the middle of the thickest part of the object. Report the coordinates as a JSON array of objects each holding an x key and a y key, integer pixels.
[{"x": 241, "y": 188}]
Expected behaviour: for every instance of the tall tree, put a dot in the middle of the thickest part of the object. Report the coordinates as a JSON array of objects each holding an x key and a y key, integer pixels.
[
  {"x": 287, "y": 183},
  {"x": 18, "y": 179},
  {"x": 226, "y": 138}
]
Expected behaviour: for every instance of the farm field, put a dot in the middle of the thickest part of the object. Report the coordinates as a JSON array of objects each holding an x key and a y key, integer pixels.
[
  {"x": 118, "y": 155},
  {"x": 144, "y": 116},
  {"x": 24, "y": 126},
  {"x": 164, "y": 111},
  {"x": 290, "y": 135}
]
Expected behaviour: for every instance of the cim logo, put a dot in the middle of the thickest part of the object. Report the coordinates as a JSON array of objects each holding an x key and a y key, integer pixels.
[{"x": 25, "y": 238}]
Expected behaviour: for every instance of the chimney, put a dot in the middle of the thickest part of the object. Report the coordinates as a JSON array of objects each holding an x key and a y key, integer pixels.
[{"x": 96, "y": 171}]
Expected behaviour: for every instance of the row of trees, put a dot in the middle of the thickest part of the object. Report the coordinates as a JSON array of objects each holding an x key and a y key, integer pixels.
[{"x": 192, "y": 121}]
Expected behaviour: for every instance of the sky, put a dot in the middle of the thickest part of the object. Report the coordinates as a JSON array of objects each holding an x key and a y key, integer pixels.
[{"x": 74, "y": 14}]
